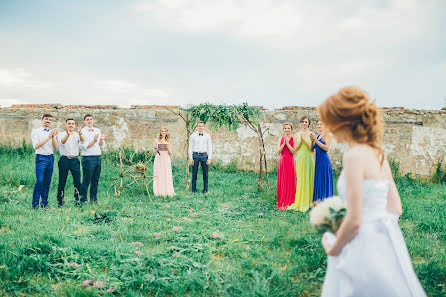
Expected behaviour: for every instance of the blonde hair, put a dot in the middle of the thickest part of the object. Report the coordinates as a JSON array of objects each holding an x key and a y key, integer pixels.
[
  {"x": 159, "y": 137},
  {"x": 288, "y": 124},
  {"x": 350, "y": 111}
]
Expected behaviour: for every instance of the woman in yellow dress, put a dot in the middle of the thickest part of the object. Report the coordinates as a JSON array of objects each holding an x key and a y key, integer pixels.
[{"x": 304, "y": 167}]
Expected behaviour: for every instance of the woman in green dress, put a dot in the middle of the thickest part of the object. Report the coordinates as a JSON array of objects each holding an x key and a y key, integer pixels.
[{"x": 304, "y": 167}]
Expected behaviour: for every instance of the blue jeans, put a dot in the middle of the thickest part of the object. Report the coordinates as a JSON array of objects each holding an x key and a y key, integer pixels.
[{"x": 44, "y": 172}]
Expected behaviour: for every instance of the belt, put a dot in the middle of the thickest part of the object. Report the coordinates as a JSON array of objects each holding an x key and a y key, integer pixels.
[
  {"x": 205, "y": 153},
  {"x": 69, "y": 157}
]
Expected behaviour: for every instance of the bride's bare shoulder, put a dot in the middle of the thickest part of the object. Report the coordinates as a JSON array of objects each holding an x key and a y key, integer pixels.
[
  {"x": 358, "y": 154},
  {"x": 353, "y": 153}
]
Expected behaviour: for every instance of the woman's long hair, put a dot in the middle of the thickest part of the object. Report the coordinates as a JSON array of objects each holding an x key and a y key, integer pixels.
[
  {"x": 160, "y": 137},
  {"x": 350, "y": 111}
]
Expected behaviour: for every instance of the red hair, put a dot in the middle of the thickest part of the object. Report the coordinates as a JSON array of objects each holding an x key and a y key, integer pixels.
[{"x": 350, "y": 111}]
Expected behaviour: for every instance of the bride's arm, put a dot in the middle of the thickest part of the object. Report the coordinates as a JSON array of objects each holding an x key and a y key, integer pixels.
[
  {"x": 393, "y": 198},
  {"x": 354, "y": 176}
]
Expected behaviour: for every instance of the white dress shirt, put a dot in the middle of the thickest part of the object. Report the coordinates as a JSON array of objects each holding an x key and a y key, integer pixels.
[
  {"x": 95, "y": 149},
  {"x": 200, "y": 144},
  {"x": 38, "y": 135},
  {"x": 71, "y": 146}
]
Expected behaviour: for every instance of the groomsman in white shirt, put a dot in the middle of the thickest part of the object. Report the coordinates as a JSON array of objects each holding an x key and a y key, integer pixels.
[
  {"x": 69, "y": 142},
  {"x": 91, "y": 158},
  {"x": 44, "y": 142},
  {"x": 200, "y": 152}
]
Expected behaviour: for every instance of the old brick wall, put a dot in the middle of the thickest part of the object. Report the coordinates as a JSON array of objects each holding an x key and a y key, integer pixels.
[{"x": 416, "y": 138}]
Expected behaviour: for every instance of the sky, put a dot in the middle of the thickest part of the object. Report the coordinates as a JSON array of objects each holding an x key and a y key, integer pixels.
[{"x": 179, "y": 52}]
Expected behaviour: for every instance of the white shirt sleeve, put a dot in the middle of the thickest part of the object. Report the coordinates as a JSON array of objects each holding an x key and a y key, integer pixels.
[
  {"x": 103, "y": 144},
  {"x": 209, "y": 149},
  {"x": 191, "y": 144},
  {"x": 84, "y": 145},
  {"x": 35, "y": 137},
  {"x": 59, "y": 138}
]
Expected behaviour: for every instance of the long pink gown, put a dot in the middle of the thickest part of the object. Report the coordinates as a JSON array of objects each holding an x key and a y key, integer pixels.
[
  {"x": 162, "y": 172},
  {"x": 286, "y": 177}
]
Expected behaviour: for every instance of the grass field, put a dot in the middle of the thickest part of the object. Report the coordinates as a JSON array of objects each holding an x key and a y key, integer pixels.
[{"x": 231, "y": 242}]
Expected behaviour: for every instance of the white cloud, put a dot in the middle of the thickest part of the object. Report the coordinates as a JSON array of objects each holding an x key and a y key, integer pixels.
[
  {"x": 293, "y": 24},
  {"x": 19, "y": 78},
  {"x": 5, "y": 102},
  {"x": 269, "y": 52},
  {"x": 13, "y": 77},
  {"x": 125, "y": 87},
  {"x": 19, "y": 86},
  {"x": 246, "y": 18}
]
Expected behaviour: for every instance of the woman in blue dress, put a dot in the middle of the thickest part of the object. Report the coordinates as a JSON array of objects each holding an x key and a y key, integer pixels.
[{"x": 323, "y": 172}]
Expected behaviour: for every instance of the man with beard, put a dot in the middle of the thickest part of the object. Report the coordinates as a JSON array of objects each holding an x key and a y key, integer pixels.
[{"x": 44, "y": 142}]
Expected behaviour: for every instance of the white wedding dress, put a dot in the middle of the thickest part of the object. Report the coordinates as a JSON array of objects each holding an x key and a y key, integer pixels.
[{"x": 376, "y": 262}]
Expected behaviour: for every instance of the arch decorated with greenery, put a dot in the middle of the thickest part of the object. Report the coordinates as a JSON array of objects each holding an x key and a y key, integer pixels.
[{"x": 228, "y": 116}]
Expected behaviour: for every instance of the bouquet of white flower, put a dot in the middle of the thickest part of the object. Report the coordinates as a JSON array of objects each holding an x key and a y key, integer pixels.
[{"x": 328, "y": 214}]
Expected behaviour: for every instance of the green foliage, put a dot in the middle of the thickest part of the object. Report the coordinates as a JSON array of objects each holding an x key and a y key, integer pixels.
[
  {"x": 14, "y": 151},
  {"x": 130, "y": 156},
  {"x": 104, "y": 217},
  {"x": 440, "y": 174},
  {"x": 250, "y": 113},
  {"x": 229, "y": 116},
  {"x": 277, "y": 254},
  {"x": 337, "y": 169},
  {"x": 231, "y": 167},
  {"x": 394, "y": 167},
  {"x": 216, "y": 115}
]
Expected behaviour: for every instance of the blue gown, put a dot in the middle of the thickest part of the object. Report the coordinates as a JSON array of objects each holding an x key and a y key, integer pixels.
[{"x": 323, "y": 174}]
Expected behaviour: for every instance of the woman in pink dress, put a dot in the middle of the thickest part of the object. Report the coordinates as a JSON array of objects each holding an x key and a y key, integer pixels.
[
  {"x": 162, "y": 167},
  {"x": 286, "y": 172}
]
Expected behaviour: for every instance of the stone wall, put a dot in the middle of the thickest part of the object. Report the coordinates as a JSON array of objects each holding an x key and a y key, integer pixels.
[{"x": 416, "y": 138}]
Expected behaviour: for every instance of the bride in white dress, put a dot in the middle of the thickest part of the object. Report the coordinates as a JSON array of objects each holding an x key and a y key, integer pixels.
[{"x": 368, "y": 256}]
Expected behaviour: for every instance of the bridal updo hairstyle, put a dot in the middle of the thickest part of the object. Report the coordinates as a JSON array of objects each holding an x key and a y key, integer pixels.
[{"x": 351, "y": 113}]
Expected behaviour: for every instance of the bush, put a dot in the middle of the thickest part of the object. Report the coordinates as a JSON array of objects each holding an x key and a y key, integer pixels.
[
  {"x": 130, "y": 156},
  {"x": 395, "y": 167},
  {"x": 440, "y": 174},
  {"x": 10, "y": 150},
  {"x": 230, "y": 167}
]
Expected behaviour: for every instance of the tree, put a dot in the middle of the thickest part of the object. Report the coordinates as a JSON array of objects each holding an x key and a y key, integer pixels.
[
  {"x": 189, "y": 124},
  {"x": 250, "y": 116}
]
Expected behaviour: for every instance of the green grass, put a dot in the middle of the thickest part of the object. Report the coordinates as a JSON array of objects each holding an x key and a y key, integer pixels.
[{"x": 277, "y": 254}]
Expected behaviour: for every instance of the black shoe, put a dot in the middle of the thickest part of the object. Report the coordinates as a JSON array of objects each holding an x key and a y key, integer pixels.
[{"x": 205, "y": 191}]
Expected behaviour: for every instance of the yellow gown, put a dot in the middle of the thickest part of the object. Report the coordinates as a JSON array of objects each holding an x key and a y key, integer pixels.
[{"x": 304, "y": 176}]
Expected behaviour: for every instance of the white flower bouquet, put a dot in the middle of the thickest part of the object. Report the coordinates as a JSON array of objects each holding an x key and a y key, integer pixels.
[{"x": 328, "y": 214}]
